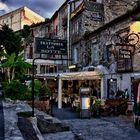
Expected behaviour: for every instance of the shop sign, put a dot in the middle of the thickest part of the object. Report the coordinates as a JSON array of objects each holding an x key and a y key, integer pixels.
[
  {"x": 96, "y": 16},
  {"x": 96, "y": 9},
  {"x": 124, "y": 65},
  {"x": 50, "y": 46},
  {"x": 124, "y": 53},
  {"x": 124, "y": 62},
  {"x": 85, "y": 89}
]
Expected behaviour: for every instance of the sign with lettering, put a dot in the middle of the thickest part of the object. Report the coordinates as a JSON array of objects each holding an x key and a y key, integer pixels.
[
  {"x": 124, "y": 65},
  {"x": 124, "y": 53},
  {"x": 85, "y": 89},
  {"x": 124, "y": 62},
  {"x": 50, "y": 46}
]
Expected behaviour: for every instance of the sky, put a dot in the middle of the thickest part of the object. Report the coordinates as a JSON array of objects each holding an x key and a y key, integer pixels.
[{"x": 45, "y": 8}]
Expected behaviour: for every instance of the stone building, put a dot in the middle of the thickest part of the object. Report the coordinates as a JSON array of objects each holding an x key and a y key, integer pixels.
[
  {"x": 88, "y": 27},
  {"x": 49, "y": 62},
  {"x": 88, "y": 16},
  {"x": 120, "y": 55},
  {"x": 54, "y": 28}
]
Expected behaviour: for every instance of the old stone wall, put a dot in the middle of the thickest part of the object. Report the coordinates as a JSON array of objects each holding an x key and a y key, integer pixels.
[
  {"x": 112, "y": 10},
  {"x": 103, "y": 39},
  {"x": 115, "y": 8}
]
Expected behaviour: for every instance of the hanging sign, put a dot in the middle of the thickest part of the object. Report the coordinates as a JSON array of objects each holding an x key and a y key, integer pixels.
[{"x": 50, "y": 46}]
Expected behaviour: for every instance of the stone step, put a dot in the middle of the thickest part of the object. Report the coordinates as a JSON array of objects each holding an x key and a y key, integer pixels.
[{"x": 49, "y": 125}]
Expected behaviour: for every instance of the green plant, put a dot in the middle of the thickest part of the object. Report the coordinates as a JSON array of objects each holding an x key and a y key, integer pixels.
[
  {"x": 97, "y": 103},
  {"x": 40, "y": 89},
  {"x": 16, "y": 90},
  {"x": 78, "y": 108},
  {"x": 45, "y": 91},
  {"x": 95, "y": 108}
]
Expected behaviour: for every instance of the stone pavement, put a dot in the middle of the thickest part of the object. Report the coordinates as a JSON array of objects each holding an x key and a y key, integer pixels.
[
  {"x": 64, "y": 113},
  {"x": 104, "y": 128},
  {"x": 11, "y": 129},
  {"x": 107, "y": 128}
]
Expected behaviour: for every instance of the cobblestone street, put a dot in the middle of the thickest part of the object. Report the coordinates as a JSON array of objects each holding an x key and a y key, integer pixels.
[
  {"x": 104, "y": 128},
  {"x": 107, "y": 128}
]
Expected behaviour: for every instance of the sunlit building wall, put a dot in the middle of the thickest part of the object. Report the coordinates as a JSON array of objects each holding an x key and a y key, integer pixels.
[{"x": 20, "y": 17}]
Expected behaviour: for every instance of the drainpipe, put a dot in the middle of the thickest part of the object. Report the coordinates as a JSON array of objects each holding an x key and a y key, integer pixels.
[{"x": 68, "y": 33}]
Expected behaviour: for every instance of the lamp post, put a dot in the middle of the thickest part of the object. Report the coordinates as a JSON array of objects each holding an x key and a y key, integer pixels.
[{"x": 33, "y": 73}]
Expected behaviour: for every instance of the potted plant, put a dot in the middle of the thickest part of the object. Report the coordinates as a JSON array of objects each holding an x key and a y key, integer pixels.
[{"x": 95, "y": 108}]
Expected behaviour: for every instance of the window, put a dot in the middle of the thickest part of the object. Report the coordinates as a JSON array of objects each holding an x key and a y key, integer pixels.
[
  {"x": 75, "y": 55},
  {"x": 42, "y": 69},
  {"x": 77, "y": 27},
  {"x": 109, "y": 55},
  {"x": 95, "y": 54},
  {"x": 112, "y": 88}
]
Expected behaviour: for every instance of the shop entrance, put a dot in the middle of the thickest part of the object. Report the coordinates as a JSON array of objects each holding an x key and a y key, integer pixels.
[{"x": 70, "y": 91}]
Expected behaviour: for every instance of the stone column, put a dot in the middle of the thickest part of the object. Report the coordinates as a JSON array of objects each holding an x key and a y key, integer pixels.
[
  {"x": 59, "y": 92},
  {"x": 102, "y": 87}
]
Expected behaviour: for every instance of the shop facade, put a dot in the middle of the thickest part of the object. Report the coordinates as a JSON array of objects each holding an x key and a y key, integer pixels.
[{"x": 69, "y": 84}]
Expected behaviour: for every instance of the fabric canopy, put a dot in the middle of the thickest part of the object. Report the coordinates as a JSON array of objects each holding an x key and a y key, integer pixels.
[
  {"x": 80, "y": 75},
  {"x": 72, "y": 75}
]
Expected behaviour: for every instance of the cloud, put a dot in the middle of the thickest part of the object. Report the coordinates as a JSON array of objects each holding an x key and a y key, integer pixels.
[
  {"x": 45, "y": 8},
  {"x": 3, "y": 7}
]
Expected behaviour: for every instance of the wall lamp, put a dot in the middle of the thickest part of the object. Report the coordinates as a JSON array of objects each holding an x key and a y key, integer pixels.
[{"x": 111, "y": 79}]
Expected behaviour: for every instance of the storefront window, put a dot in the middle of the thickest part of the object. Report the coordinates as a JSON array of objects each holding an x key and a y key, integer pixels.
[
  {"x": 95, "y": 54},
  {"x": 42, "y": 69}
]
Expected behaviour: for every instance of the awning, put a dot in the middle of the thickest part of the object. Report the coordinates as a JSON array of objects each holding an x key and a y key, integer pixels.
[
  {"x": 88, "y": 75},
  {"x": 85, "y": 75},
  {"x": 47, "y": 75}
]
